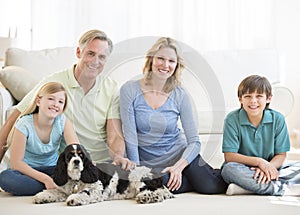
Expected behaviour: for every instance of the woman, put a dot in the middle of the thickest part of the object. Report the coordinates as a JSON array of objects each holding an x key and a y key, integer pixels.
[{"x": 150, "y": 110}]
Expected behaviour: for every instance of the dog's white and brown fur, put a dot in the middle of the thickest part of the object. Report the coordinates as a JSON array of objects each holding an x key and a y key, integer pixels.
[{"x": 80, "y": 182}]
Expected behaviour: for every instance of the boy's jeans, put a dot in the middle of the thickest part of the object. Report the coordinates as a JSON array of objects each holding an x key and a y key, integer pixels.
[{"x": 242, "y": 175}]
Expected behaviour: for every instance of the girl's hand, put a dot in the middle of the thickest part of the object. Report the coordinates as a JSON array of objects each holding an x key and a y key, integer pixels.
[
  {"x": 175, "y": 179},
  {"x": 49, "y": 183}
]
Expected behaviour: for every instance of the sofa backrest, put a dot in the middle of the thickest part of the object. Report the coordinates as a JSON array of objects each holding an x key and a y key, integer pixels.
[
  {"x": 24, "y": 69},
  {"x": 41, "y": 62}
]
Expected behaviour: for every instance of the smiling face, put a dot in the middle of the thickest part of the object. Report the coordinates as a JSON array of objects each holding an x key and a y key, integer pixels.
[
  {"x": 92, "y": 58},
  {"x": 51, "y": 105},
  {"x": 164, "y": 63},
  {"x": 255, "y": 93},
  {"x": 254, "y": 104}
]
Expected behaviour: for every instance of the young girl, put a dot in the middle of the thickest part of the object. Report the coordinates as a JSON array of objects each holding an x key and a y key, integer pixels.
[{"x": 35, "y": 142}]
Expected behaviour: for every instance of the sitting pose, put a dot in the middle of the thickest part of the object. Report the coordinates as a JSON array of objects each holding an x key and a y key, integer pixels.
[
  {"x": 150, "y": 110},
  {"x": 255, "y": 143},
  {"x": 35, "y": 142}
]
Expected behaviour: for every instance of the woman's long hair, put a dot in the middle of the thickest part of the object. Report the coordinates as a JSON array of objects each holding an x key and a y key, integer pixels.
[{"x": 173, "y": 81}]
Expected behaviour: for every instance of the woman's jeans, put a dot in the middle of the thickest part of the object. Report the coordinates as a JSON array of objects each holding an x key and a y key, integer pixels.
[
  {"x": 242, "y": 175},
  {"x": 199, "y": 177},
  {"x": 16, "y": 183}
]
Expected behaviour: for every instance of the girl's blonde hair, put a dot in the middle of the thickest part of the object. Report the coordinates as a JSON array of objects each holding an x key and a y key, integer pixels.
[
  {"x": 48, "y": 88},
  {"x": 173, "y": 81}
]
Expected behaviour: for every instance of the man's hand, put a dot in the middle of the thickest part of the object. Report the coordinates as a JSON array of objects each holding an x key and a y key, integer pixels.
[{"x": 125, "y": 163}]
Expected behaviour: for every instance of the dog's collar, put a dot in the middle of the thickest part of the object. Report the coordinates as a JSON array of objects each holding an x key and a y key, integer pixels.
[{"x": 75, "y": 187}]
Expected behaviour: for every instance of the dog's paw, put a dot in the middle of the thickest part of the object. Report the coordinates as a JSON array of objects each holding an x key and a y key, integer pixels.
[
  {"x": 166, "y": 193},
  {"x": 159, "y": 195},
  {"x": 37, "y": 200},
  {"x": 42, "y": 198},
  {"x": 148, "y": 196},
  {"x": 144, "y": 197},
  {"x": 48, "y": 196},
  {"x": 75, "y": 200}
]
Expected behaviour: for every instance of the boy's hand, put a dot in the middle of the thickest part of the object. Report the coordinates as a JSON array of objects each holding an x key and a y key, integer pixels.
[
  {"x": 260, "y": 176},
  {"x": 265, "y": 172}
]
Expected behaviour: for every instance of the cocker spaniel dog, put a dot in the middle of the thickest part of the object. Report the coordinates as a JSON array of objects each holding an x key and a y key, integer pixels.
[{"x": 80, "y": 182}]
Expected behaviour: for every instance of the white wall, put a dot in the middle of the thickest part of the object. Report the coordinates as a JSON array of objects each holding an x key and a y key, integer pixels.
[
  {"x": 288, "y": 44},
  {"x": 286, "y": 13}
]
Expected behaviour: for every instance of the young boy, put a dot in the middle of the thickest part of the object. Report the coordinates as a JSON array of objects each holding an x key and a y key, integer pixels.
[{"x": 255, "y": 142}]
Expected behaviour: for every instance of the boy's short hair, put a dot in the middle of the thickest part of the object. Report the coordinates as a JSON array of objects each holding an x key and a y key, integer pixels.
[{"x": 255, "y": 83}]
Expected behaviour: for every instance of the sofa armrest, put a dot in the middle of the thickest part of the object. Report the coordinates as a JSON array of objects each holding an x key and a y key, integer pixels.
[{"x": 6, "y": 102}]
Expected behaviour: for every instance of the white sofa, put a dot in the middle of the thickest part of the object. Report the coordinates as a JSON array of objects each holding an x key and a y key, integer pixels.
[{"x": 210, "y": 77}]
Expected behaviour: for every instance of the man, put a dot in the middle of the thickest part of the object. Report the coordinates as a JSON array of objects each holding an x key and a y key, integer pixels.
[{"x": 93, "y": 102}]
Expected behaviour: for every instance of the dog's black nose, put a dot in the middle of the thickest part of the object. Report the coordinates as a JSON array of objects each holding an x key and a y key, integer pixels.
[{"x": 76, "y": 162}]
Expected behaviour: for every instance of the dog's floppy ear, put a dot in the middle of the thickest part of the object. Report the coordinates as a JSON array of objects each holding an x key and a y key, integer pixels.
[
  {"x": 60, "y": 176},
  {"x": 90, "y": 171}
]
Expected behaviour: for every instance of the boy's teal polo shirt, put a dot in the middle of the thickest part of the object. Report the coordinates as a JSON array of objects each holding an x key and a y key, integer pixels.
[{"x": 268, "y": 139}]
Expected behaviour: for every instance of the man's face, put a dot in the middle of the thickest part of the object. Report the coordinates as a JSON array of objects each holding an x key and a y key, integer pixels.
[{"x": 92, "y": 58}]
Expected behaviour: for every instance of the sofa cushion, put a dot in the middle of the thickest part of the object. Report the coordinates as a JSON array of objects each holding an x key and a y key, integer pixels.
[
  {"x": 41, "y": 63},
  {"x": 17, "y": 80},
  {"x": 23, "y": 68}
]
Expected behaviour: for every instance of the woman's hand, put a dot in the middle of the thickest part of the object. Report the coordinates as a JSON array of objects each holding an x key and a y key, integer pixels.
[
  {"x": 175, "y": 179},
  {"x": 175, "y": 171}
]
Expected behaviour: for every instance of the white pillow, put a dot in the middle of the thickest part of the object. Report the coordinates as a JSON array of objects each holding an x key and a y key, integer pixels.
[
  {"x": 43, "y": 62},
  {"x": 17, "y": 80}
]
